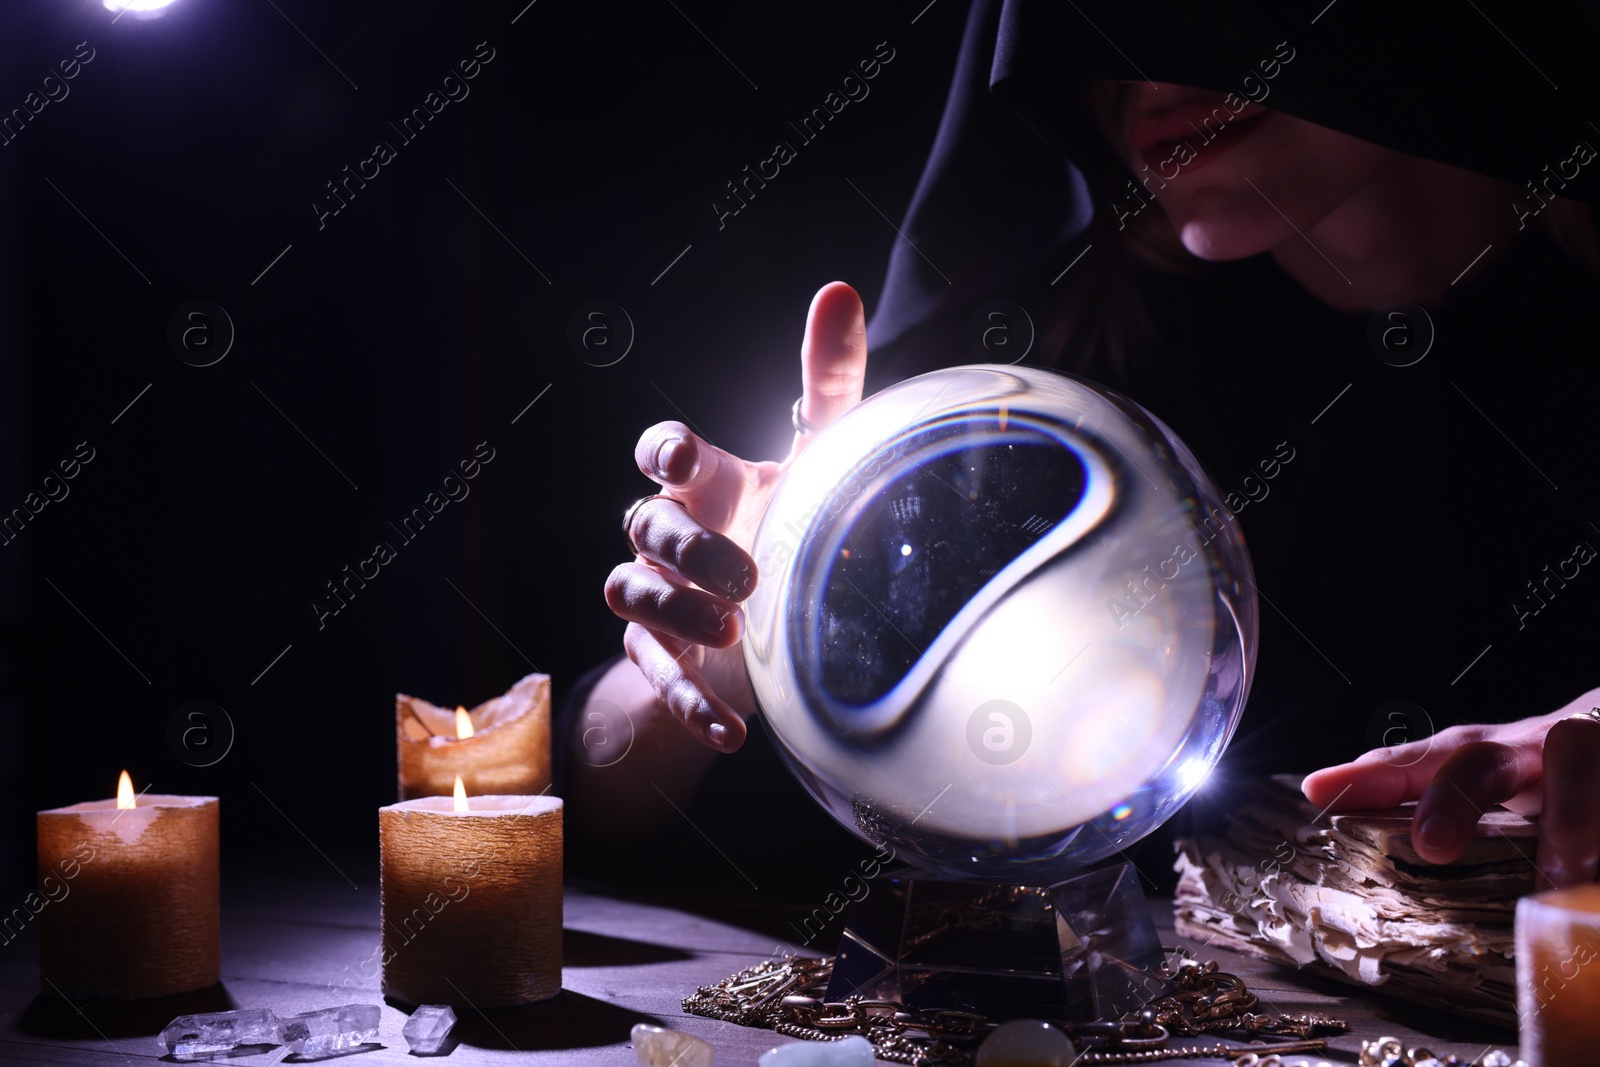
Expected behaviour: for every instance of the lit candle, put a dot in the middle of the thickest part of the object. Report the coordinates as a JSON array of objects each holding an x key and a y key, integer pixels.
[
  {"x": 128, "y": 894},
  {"x": 1558, "y": 980},
  {"x": 500, "y": 747},
  {"x": 471, "y": 899}
]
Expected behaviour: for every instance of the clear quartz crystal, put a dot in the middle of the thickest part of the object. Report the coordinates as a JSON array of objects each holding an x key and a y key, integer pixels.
[
  {"x": 656, "y": 1047},
  {"x": 852, "y": 1051},
  {"x": 428, "y": 1028},
  {"x": 329, "y": 1030},
  {"x": 219, "y": 1031}
]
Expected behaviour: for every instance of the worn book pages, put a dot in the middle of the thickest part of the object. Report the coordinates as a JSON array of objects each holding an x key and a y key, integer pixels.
[{"x": 1347, "y": 895}]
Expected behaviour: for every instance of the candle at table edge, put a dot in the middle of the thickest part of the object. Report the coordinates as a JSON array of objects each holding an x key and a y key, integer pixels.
[
  {"x": 516, "y": 922},
  {"x": 1558, "y": 991}
]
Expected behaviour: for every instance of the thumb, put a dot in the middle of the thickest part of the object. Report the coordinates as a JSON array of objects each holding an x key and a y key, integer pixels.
[{"x": 833, "y": 359}]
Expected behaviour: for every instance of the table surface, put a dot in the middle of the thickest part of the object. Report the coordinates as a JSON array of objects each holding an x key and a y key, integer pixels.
[{"x": 295, "y": 944}]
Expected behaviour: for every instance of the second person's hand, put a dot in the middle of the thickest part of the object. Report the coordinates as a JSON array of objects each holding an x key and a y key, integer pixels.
[
  {"x": 1541, "y": 766},
  {"x": 681, "y": 593}
]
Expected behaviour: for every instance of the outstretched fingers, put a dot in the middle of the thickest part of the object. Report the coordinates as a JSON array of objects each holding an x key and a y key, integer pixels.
[
  {"x": 666, "y": 534},
  {"x": 662, "y": 601},
  {"x": 1386, "y": 777},
  {"x": 670, "y": 665}
]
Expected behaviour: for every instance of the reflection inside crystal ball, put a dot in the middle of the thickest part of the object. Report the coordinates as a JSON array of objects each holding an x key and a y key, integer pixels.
[{"x": 1003, "y": 626}]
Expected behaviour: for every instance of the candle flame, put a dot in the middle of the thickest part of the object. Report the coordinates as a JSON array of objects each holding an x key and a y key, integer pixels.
[
  {"x": 463, "y": 724},
  {"x": 125, "y": 797},
  {"x": 461, "y": 795},
  {"x": 1004, "y": 416}
]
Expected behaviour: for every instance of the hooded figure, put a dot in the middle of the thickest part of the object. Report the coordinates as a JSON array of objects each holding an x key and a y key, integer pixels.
[
  {"x": 1403, "y": 439},
  {"x": 1006, "y": 187},
  {"x": 1416, "y": 485}
]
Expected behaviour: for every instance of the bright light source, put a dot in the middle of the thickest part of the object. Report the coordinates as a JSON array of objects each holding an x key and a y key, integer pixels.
[
  {"x": 461, "y": 796},
  {"x": 905, "y": 550},
  {"x": 140, "y": 8},
  {"x": 463, "y": 724},
  {"x": 1192, "y": 775}
]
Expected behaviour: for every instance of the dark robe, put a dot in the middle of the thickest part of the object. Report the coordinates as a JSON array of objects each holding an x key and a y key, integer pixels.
[{"x": 1427, "y": 555}]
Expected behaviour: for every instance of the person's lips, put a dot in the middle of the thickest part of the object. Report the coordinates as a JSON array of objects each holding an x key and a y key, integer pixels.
[{"x": 1158, "y": 136}]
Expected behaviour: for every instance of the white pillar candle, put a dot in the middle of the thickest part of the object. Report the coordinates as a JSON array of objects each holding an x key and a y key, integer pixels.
[
  {"x": 129, "y": 897},
  {"x": 471, "y": 900}
]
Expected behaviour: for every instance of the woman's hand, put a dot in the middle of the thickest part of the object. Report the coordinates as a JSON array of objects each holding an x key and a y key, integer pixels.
[
  {"x": 681, "y": 593},
  {"x": 1544, "y": 766}
]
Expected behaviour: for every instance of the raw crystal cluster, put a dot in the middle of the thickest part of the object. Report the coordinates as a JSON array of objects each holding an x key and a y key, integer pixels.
[
  {"x": 654, "y": 1046},
  {"x": 324, "y": 1032}
]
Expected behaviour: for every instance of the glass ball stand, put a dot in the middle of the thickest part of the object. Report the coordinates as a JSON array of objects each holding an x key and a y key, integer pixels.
[{"x": 1084, "y": 949}]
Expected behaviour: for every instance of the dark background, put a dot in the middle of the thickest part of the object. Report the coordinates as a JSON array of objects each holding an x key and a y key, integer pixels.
[
  {"x": 378, "y": 350},
  {"x": 396, "y": 338}
]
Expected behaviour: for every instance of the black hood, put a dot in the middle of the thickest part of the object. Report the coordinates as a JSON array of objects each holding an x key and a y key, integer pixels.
[{"x": 1505, "y": 90}]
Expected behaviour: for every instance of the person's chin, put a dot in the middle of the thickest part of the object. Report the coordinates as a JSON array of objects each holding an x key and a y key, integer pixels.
[
  {"x": 1218, "y": 243},
  {"x": 1218, "y": 226}
]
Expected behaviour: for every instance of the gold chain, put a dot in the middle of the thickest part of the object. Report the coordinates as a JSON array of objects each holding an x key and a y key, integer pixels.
[
  {"x": 785, "y": 994},
  {"x": 1392, "y": 1052},
  {"x": 1208, "y": 999}
]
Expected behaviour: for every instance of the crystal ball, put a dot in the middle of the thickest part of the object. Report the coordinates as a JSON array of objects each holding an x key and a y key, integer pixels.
[{"x": 1004, "y": 626}]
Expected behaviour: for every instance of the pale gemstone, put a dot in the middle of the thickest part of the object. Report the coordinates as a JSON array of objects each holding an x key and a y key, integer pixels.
[
  {"x": 428, "y": 1028},
  {"x": 330, "y": 1030},
  {"x": 655, "y": 1047},
  {"x": 219, "y": 1031},
  {"x": 853, "y": 1051},
  {"x": 1026, "y": 1043}
]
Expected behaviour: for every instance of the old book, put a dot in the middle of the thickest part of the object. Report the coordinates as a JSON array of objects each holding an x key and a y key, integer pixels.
[{"x": 1347, "y": 895}]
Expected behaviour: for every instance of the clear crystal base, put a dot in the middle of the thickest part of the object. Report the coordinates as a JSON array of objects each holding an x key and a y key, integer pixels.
[{"x": 1083, "y": 949}]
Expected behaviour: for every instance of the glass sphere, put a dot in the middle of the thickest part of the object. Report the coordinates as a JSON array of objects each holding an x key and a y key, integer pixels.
[{"x": 1004, "y": 626}]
